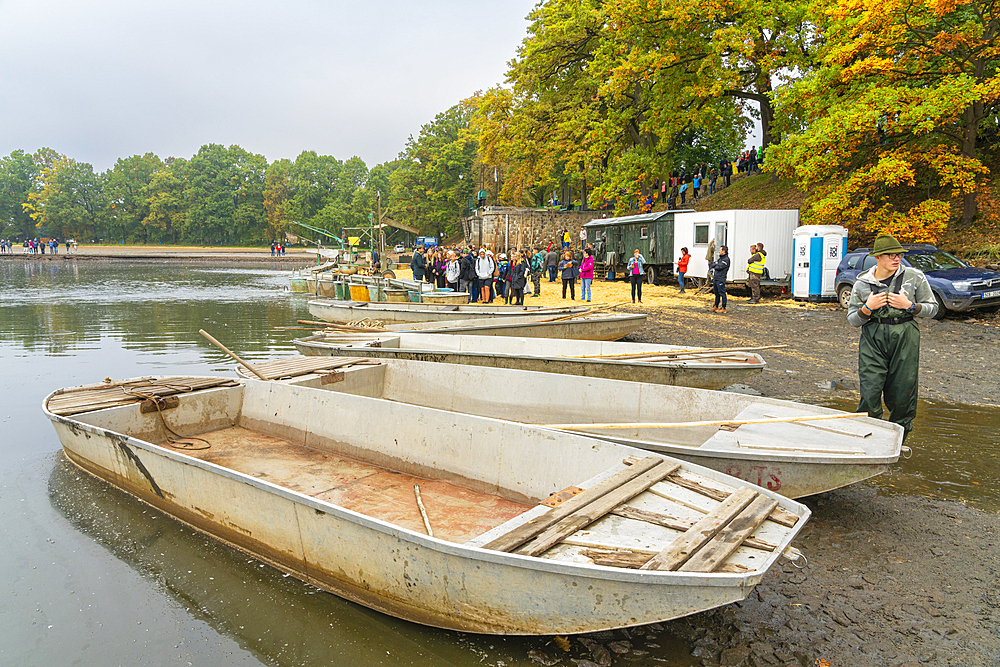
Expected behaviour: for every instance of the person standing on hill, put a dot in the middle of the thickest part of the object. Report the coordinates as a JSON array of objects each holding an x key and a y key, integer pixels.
[
  {"x": 755, "y": 271},
  {"x": 696, "y": 184},
  {"x": 884, "y": 301},
  {"x": 565, "y": 239},
  {"x": 720, "y": 269}
]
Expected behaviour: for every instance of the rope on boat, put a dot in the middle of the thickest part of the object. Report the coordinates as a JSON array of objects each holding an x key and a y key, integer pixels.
[{"x": 177, "y": 442}]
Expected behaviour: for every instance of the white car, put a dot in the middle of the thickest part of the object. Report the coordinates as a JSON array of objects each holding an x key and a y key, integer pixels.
[{"x": 400, "y": 247}]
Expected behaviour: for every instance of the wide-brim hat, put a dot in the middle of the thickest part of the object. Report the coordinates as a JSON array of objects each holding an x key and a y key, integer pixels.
[{"x": 886, "y": 244}]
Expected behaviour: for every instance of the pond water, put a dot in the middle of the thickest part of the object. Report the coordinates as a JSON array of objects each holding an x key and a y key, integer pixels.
[{"x": 91, "y": 575}]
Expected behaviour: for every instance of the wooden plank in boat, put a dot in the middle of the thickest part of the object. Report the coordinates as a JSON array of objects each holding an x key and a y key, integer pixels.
[
  {"x": 674, "y": 523},
  {"x": 521, "y": 534},
  {"x": 596, "y": 509},
  {"x": 99, "y": 397},
  {"x": 784, "y": 517},
  {"x": 295, "y": 366},
  {"x": 724, "y": 543},
  {"x": 675, "y": 554}
]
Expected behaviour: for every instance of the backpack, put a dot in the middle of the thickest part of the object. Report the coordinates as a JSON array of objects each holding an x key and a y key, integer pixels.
[{"x": 537, "y": 261}]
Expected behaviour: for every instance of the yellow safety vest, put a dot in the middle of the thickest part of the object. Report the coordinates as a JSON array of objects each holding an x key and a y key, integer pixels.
[{"x": 757, "y": 267}]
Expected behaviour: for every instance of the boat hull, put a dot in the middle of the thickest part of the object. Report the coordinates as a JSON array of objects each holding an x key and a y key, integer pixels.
[
  {"x": 402, "y": 313},
  {"x": 585, "y": 327},
  {"x": 705, "y": 376},
  {"x": 378, "y": 564}
]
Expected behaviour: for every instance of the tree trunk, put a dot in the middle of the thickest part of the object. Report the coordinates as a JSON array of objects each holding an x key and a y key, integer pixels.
[{"x": 969, "y": 135}]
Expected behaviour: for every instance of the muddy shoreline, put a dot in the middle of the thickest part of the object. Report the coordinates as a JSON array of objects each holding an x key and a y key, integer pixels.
[{"x": 892, "y": 580}]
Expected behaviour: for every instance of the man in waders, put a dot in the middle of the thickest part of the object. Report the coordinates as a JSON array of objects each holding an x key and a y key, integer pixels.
[{"x": 884, "y": 301}]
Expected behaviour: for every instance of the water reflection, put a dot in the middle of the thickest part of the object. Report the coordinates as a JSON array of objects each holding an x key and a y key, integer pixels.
[{"x": 956, "y": 453}]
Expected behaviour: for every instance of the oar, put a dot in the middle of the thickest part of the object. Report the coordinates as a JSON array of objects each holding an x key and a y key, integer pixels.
[
  {"x": 777, "y": 420},
  {"x": 230, "y": 353}
]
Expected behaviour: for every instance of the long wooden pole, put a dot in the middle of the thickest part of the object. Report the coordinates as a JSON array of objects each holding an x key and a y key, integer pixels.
[
  {"x": 586, "y": 312},
  {"x": 777, "y": 420},
  {"x": 230, "y": 353},
  {"x": 712, "y": 350}
]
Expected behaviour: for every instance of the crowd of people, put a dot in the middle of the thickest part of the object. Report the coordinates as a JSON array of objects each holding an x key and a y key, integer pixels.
[
  {"x": 37, "y": 246},
  {"x": 487, "y": 276},
  {"x": 700, "y": 179}
]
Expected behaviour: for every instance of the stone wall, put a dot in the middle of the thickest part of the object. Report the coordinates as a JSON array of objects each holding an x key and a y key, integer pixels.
[{"x": 527, "y": 227}]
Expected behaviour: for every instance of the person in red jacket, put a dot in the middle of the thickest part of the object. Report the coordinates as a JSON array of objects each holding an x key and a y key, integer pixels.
[{"x": 682, "y": 267}]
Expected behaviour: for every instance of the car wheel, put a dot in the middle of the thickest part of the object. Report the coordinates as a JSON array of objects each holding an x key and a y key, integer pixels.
[
  {"x": 844, "y": 295},
  {"x": 941, "y": 311},
  {"x": 650, "y": 275}
]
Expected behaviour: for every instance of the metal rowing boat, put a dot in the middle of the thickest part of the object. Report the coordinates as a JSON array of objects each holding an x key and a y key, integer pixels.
[
  {"x": 534, "y": 531},
  {"x": 740, "y": 435},
  {"x": 333, "y": 310},
  {"x": 639, "y": 362}
]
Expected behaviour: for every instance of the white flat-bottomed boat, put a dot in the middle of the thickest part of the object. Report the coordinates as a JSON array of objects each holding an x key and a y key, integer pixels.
[
  {"x": 749, "y": 437},
  {"x": 639, "y": 362},
  {"x": 333, "y": 310},
  {"x": 321, "y": 484}
]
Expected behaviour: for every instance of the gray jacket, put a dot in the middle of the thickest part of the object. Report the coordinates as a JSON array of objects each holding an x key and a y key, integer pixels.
[{"x": 915, "y": 287}]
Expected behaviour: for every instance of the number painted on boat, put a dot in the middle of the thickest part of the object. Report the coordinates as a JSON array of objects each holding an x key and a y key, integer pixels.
[{"x": 766, "y": 476}]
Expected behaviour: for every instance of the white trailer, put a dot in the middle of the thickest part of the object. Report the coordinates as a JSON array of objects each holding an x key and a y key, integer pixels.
[{"x": 738, "y": 229}]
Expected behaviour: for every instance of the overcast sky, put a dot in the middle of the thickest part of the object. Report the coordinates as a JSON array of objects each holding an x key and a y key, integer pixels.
[{"x": 102, "y": 79}]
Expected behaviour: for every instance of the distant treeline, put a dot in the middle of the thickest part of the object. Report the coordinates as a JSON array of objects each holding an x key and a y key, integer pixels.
[{"x": 231, "y": 196}]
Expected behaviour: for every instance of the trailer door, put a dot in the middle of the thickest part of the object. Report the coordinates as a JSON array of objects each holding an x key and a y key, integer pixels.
[{"x": 721, "y": 229}]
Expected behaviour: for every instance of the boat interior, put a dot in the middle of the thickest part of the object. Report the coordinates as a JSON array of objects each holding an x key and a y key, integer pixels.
[{"x": 499, "y": 393}]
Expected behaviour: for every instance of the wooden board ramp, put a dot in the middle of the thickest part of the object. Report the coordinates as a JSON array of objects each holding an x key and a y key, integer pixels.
[
  {"x": 703, "y": 545},
  {"x": 104, "y": 395},
  {"x": 277, "y": 369}
]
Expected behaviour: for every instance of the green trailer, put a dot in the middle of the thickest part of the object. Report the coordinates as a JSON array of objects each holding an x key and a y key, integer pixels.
[{"x": 615, "y": 240}]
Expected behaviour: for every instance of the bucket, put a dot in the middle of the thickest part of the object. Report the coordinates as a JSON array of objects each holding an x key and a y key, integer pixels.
[
  {"x": 414, "y": 297},
  {"x": 359, "y": 293},
  {"x": 375, "y": 293},
  {"x": 397, "y": 296},
  {"x": 340, "y": 290}
]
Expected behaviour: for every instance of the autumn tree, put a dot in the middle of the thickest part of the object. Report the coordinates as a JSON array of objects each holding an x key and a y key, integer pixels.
[
  {"x": 68, "y": 199},
  {"x": 433, "y": 181},
  {"x": 890, "y": 123}
]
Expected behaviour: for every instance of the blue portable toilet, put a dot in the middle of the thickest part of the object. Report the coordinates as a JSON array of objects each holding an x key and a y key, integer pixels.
[{"x": 816, "y": 253}]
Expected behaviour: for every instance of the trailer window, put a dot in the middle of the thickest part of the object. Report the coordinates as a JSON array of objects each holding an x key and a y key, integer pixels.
[
  {"x": 644, "y": 232},
  {"x": 701, "y": 234}
]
